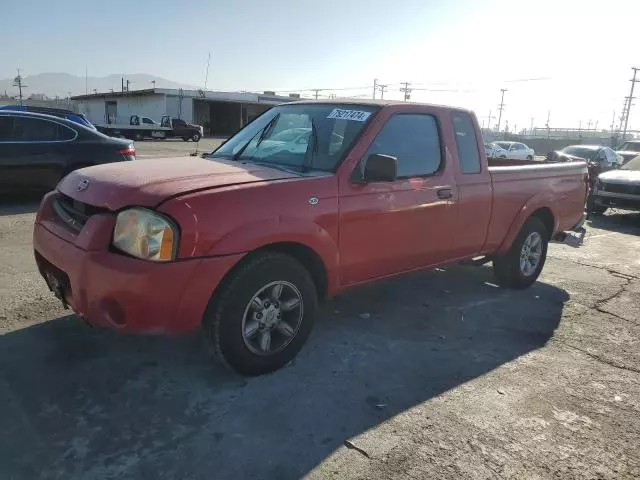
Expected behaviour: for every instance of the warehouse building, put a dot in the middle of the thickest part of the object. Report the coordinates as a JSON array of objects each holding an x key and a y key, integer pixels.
[{"x": 220, "y": 113}]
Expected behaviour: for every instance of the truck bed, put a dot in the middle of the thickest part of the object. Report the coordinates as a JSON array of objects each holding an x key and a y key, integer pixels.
[{"x": 514, "y": 185}]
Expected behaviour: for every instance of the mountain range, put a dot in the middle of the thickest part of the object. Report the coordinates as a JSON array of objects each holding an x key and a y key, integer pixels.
[{"x": 63, "y": 84}]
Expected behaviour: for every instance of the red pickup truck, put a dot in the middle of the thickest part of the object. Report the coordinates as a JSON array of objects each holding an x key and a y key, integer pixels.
[{"x": 307, "y": 200}]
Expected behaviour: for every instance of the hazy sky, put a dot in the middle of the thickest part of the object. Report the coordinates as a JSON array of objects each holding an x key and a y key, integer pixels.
[{"x": 581, "y": 50}]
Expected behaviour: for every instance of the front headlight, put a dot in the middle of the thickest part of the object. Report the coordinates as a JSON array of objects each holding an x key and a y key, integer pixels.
[{"x": 145, "y": 234}]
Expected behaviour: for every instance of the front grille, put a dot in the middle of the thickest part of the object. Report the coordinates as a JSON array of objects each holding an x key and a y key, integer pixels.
[
  {"x": 621, "y": 188},
  {"x": 74, "y": 214}
]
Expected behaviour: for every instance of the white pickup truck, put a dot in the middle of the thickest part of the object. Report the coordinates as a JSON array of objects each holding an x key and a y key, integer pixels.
[{"x": 140, "y": 127}]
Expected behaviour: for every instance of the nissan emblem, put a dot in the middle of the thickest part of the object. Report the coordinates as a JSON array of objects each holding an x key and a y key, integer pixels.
[{"x": 83, "y": 185}]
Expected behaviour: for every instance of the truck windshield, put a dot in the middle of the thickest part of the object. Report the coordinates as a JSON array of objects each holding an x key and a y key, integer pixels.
[
  {"x": 305, "y": 136},
  {"x": 630, "y": 146},
  {"x": 633, "y": 164}
]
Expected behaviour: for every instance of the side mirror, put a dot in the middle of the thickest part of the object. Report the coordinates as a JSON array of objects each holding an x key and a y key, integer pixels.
[{"x": 379, "y": 168}]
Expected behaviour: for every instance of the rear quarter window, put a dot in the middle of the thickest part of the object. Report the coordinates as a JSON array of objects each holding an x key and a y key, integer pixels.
[{"x": 466, "y": 142}]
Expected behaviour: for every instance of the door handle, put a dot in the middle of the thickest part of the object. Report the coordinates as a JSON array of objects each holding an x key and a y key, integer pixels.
[{"x": 445, "y": 193}]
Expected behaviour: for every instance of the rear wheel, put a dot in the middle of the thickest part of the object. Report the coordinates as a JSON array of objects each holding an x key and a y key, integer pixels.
[
  {"x": 262, "y": 315},
  {"x": 529, "y": 157},
  {"x": 522, "y": 264}
]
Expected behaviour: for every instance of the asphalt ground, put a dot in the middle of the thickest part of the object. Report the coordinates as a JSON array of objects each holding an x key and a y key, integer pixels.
[{"x": 438, "y": 374}]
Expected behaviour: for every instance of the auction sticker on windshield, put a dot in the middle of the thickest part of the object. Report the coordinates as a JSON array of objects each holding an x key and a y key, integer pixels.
[{"x": 354, "y": 115}]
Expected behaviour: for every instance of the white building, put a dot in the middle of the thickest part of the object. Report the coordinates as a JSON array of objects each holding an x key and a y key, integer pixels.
[{"x": 220, "y": 113}]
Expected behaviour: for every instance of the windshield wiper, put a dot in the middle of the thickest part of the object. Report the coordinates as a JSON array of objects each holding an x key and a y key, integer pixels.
[
  {"x": 263, "y": 133},
  {"x": 311, "y": 152}
]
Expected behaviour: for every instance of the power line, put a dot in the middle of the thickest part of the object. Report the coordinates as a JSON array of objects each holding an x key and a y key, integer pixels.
[
  {"x": 626, "y": 119},
  {"x": 501, "y": 107},
  {"x": 406, "y": 90}
]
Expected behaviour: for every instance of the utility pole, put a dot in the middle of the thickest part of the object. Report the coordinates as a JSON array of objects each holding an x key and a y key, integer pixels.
[
  {"x": 382, "y": 88},
  {"x": 127, "y": 85},
  {"x": 626, "y": 119},
  {"x": 317, "y": 92},
  {"x": 489, "y": 122},
  {"x": 17, "y": 82},
  {"x": 531, "y": 129},
  {"x": 613, "y": 122},
  {"x": 206, "y": 75},
  {"x": 86, "y": 81},
  {"x": 122, "y": 83},
  {"x": 406, "y": 90},
  {"x": 375, "y": 87},
  {"x": 547, "y": 124},
  {"x": 501, "y": 107}
]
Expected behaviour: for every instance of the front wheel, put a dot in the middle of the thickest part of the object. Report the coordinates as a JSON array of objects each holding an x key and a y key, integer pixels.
[
  {"x": 529, "y": 157},
  {"x": 262, "y": 315},
  {"x": 522, "y": 264},
  {"x": 196, "y": 137}
]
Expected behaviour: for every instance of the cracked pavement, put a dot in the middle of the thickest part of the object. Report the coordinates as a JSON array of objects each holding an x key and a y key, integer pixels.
[{"x": 446, "y": 377}]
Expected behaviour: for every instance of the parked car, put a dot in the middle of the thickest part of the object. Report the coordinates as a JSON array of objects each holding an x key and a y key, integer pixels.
[
  {"x": 628, "y": 150},
  {"x": 619, "y": 188},
  {"x": 37, "y": 150},
  {"x": 604, "y": 156},
  {"x": 517, "y": 150},
  {"x": 495, "y": 151},
  {"x": 56, "y": 112},
  {"x": 246, "y": 244}
]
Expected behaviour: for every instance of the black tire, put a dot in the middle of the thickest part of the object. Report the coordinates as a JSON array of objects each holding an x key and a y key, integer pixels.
[
  {"x": 138, "y": 137},
  {"x": 223, "y": 319},
  {"x": 507, "y": 269},
  {"x": 529, "y": 157},
  {"x": 185, "y": 139},
  {"x": 196, "y": 137}
]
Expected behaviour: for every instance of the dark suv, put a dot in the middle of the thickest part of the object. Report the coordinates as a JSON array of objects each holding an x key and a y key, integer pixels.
[{"x": 37, "y": 150}]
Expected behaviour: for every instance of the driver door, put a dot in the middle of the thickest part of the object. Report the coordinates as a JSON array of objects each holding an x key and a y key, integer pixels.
[{"x": 390, "y": 227}]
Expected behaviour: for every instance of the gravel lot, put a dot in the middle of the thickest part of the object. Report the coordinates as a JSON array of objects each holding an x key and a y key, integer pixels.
[{"x": 434, "y": 375}]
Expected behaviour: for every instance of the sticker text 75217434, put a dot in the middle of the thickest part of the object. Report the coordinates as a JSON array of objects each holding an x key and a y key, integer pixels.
[{"x": 354, "y": 115}]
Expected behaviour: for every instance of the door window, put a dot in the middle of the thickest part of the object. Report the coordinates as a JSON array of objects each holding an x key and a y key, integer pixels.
[
  {"x": 6, "y": 128},
  {"x": 24, "y": 129},
  {"x": 467, "y": 143},
  {"x": 414, "y": 140},
  {"x": 34, "y": 130}
]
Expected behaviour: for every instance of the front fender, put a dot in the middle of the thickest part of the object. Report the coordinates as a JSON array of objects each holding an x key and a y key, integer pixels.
[
  {"x": 260, "y": 233},
  {"x": 540, "y": 200}
]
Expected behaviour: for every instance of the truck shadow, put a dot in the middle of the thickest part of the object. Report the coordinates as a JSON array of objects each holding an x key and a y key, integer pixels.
[{"x": 86, "y": 403}]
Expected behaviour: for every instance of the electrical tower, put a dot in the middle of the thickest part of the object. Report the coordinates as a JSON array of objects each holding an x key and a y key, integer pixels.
[
  {"x": 626, "y": 117},
  {"x": 17, "y": 82},
  {"x": 501, "y": 107},
  {"x": 406, "y": 90}
]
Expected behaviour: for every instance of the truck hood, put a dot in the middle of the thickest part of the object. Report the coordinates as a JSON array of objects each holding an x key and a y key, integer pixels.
[
  {"x": 147, "y": 183},
  {"x": 627, "y": 177}
]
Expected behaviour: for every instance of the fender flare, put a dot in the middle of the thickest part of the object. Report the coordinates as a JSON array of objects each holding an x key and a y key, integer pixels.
[
  {"x": 538, "y": 201},
  {"x": 261, "y": 233}
]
